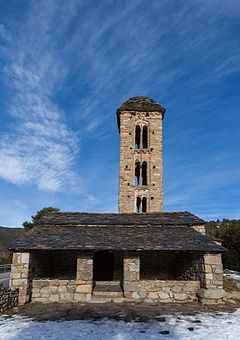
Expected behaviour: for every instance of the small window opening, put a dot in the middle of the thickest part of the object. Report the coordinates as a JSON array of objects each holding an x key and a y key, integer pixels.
[
  {"x": 137, "y": 173},
  {"x": 144, "y": 173},
  {"x": 137, "y": 137},
  {"x": 138, "y": 205},
  {"x": 154, "y": 167},
  {"x": 145, "y": 137},
  {"x": 144, "y": 204}
]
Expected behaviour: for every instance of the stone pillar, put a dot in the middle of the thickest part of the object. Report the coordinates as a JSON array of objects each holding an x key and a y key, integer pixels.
[
  {"x": 131, "y": 274},
  {"x": 84, "y": 277},
  {"x": 20, "y": 276},
  {"x": 211, "y": 279}
]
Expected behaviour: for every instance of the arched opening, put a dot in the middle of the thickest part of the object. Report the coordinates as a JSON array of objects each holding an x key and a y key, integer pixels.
[
  {"x": 137, "y": 137},
  {"x": 145, "y": 137},
  {"x": 138, "y": 205},
  {"x": 137, "y": 173},
  {"x": 144, "y": 173},
  {"x": 144, "y": 204}
]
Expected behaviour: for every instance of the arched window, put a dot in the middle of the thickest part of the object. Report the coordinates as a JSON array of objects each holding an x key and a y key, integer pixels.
[
  {"x": 137, "y": 137},
  {"x": 144, "y": 173},
  {"x": 144, "y": 204},
  {"x": 145, "y": 137},
  {"x": 138, "y": 205},
  {"x": 137, "y": 173}
]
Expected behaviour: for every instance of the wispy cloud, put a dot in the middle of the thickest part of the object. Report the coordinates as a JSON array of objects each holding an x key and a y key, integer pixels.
[{"x": 38, "y": 148}]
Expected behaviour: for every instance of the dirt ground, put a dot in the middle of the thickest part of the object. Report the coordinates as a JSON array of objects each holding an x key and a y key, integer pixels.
[{"x": 127, "y": 312}]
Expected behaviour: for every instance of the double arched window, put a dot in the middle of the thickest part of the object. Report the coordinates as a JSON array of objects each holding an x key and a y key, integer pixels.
[
  {"x": 141, "y": 137},
  {"x": 140, "y": 173},
  {"x": 141, "y": 204}
]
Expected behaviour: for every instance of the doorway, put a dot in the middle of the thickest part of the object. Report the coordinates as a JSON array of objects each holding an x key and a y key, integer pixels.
[{"x": 103, "y": 266}]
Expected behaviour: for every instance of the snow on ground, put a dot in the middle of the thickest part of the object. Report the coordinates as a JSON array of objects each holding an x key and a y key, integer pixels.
[
  {"x": 211, "y": 326},
  {"x": 231, "y": 274}
]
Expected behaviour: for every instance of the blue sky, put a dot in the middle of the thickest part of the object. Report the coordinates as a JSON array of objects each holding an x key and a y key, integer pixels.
[{"x": 66, "y": 66}]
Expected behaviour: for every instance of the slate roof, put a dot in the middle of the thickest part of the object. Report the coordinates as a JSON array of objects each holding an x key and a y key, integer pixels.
[
  {"x": 165, "y": 218},
  {"x": 88, "y": 231},
  {"x": 114, "y": 237},
  {"x": 140, "y": 104}
]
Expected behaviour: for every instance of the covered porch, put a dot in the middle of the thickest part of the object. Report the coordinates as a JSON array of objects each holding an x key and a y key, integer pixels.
[
  {"x": 130, "y": 257},
  {"x": 151, "y": 276}
]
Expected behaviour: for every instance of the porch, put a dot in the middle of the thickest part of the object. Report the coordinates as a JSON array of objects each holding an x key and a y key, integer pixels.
[{"x": 151, "y": 276}]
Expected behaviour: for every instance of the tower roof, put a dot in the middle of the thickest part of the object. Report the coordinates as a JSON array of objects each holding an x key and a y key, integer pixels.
[{"x": 140, "y": 104}]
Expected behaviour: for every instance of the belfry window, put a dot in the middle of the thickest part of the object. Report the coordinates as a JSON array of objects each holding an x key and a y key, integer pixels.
[
  {"x": 137, "y": 137},
  {"x": 144, "y": 173},
  {"x": 145, "y": 137},
  {"x": 141, "y": 205},
  {"x": 137, "y": 173},
  {"x": 144, "y": 204},
  {"x": 138, "y": 205}
]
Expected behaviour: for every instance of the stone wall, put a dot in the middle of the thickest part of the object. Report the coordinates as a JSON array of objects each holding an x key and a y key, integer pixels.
[
  {"x": 211, "y": 278},
  {"x": 163, "y": 291},
  {"x": 200, "y": 229},
  {"x": 47, "y": 291},
  {"x": 8, "y": 298},
  {"x": 128, "y": 191},
  {"x": 20, "y": 276}
]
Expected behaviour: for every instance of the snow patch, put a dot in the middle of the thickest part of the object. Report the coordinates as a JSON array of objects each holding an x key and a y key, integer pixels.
[{"x": 211, "y": 325}]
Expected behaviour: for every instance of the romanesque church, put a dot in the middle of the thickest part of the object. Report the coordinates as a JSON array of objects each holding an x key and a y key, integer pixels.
[{"x": 140, "y": 254}]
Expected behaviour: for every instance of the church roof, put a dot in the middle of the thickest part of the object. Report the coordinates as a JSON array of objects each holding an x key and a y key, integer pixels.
[
  {"x": 86, "y": 231},
  {"x": 79, "y": 218},
  {"x": 140, "y": 104},
  {"x": 115, "y": 237}
]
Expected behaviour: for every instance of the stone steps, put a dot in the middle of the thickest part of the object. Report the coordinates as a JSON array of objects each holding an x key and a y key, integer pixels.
[
  {"x": 106, "y": 299},
  {"x": 107, "y": 290}
]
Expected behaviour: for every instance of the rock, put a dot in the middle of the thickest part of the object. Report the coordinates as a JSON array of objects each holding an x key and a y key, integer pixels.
[
  {"x": 212, "y": 293},
  {"x": 135, "y": 295},
  {"x": 236, "y": 295},
  {"x": 84, "y": 288},
  {"x": 40, "y": 283},
  {"x": 232, "y": 301},
  {"x": 160, "y": 318},
  {"x": 180, "y": 296},
  {"x": 54, "y": 298},
  {"x": 190, "y": 329},
  {"x": 163, "y": 295},
  {"x": 142, "y": 295},
  {"x": 152, "y": 295}
]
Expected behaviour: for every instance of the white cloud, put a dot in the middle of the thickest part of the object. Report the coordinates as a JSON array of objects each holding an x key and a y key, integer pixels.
[{"x": 39, "y": 148}]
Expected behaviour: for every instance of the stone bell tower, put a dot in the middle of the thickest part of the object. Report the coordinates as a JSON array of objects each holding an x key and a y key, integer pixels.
[{"x": 140, "y": 179}]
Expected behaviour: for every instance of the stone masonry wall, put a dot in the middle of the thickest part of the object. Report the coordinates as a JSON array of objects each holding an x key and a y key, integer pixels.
[
  {"x": 8, "y": 298},
  {"x": 164, "y": 291},
  {"x": 211, "y": 278},
  {"x": 128, "y": 192},
  {"x": 47, "y": 291},
  {"x": 200, "y": 228},
  {"x": 85, "y": 267},
  {"x": 20, "y": 276},
  {"x": 155, "y": 290}
]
